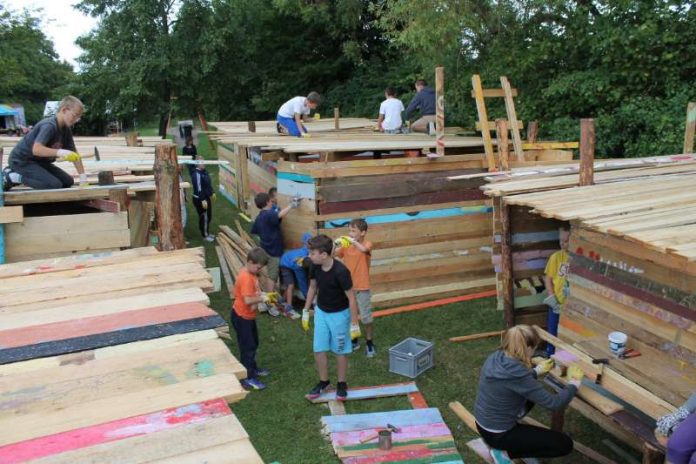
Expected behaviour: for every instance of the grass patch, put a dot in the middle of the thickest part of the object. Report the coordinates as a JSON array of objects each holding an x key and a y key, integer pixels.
[{"x": 285, "y": 427}]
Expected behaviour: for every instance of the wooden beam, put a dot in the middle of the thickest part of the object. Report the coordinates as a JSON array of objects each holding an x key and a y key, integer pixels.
[
  {"x": 490, "y": 93},
  {"x": 479, "y": 336},
  {"x": 168, "y": 201},
  {"x": 587, "y": 151},
  {"x": 512, "y": 118},
  {"x": 337, "y": 118},
  {"x": 501, "y": 132},
  {"x": 431, "y": 304},
  {"x": 483, "y": 120},
  {"x": 506, "y": 271},
  {"x": 440, "y": 110},
  {"x": 690, "y": 128},
  {"x": 9, "y": 214},
  {"x": 103, "y": 205},
  {"x": 532, "y": 132},
  {"x": 251, "y": 125},
  {"x": 520, "y": 124}
]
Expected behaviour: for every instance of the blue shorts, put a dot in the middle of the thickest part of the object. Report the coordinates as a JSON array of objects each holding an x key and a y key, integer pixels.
[
  {"x": 290, "y": 125},
  {"x": 332, "y": 332}
]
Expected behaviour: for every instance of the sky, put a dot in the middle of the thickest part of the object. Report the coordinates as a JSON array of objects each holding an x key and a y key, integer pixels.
[{"x": 61, "y": 22}]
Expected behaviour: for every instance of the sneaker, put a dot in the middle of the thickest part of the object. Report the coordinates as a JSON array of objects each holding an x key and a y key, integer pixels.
[
  {"x": 273, "y": 311},
  {"x": 341, "y": 391},
  {"x": 500, "y": 457},
  {"x": 252, "y": 384},
  {"x": 210, "y": 238},
  {"x": 263, "y": 307},
  {"x": 356, "y": 344},
  {"x": 292, "y": 314},
  {"x": 7, "y": 184},
  {"x": 261, "y": 372},
  {"x": 370, "y": 351},
  {"x": 318, "y": 389}
]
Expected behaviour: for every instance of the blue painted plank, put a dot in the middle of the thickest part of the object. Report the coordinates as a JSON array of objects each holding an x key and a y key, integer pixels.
[
  {"x": 352, "y": 422},
  {"x": 415, "y": 216},
  {"x": 371, "y": 392},
  {"x": 296, "y": 177},
  {"x": 224, "y": 193},
  {"x": 531, "y": 237}
]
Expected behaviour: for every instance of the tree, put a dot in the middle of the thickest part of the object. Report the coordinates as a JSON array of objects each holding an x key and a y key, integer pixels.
[{"x": 31, "y": 70}]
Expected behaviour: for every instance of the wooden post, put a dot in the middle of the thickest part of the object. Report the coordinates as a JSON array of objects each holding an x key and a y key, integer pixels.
[
  {"x": 690, "y": 127},
  {"x": 2, "y": 204},
  {"x": 106, "y": 178},
  {"x": 512, "y": 118},
  {"x": 532, "y": 131},
  {"x": 440, "y": 110},
  {"x": 483, "y": 120},
  {"x": 337, "y": 118},
  {"x": 507, "y": 286},
  {"x": 131, "y": 139},
  {"x": 501, "y": 132},
  {"x": 252, "y": 126},
  {"x": 587, "y": 151},
  {"x": 120, "y": 196},
  {"x": 168, "y": 203}
]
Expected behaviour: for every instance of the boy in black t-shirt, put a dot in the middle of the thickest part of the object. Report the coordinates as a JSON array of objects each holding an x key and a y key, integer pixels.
[{"x": 335, "y": 315}]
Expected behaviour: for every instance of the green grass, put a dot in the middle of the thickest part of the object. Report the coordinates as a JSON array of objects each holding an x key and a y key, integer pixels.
[{"x": 285, "y": 427}]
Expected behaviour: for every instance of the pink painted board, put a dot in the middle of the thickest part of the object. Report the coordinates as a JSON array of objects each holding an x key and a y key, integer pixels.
[{"x": 409, "y": 432}]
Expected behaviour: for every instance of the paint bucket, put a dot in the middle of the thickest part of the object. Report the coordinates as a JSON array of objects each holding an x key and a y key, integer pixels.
[
  {"x": 617, "y": 342},
  {"x": 385, "y": 440}
]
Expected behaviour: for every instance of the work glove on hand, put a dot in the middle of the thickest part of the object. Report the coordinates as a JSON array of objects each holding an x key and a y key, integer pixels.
[
  {"x": 213, "y": 197},
  {"x": 575, "y": 375},
  {"x": 68, "y": 155},
  {"x": 204, "y": 204},
  {"x": 544, "y": 367},
  {"x": 354, "y": 330},
  {"x": 270, "y": 297},
  {"x": 305, "y": 319},
  {"x": 552, "y": 302},
  {"x": 343, "y": 241}
]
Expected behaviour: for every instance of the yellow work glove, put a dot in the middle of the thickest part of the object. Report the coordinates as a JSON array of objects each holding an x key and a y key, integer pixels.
[
  {"x": 305, "y": 319},
  {"x": 354, "y": 331},
  {"x": 270, "y": 297},
  {"x": 214, "y": 197},
  {"x": 204, "y": 204},
  {"x": 544, "y": 367},
  {"x": 68, "y": 155},
  {"x": 574, "y": 374},
  {"x": 299, "y": 261},
  {"x": 305, "y": 135},
  {"x": 343, "y": 242},
  {"x": 317, "y": 116}
]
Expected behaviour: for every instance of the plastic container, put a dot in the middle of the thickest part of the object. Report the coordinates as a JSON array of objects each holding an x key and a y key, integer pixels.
[
  {"x": 617, "y": 342},
  {"x": 411, "y": 357}
]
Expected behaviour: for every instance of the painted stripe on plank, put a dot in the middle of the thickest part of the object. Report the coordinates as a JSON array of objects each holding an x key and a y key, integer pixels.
[
  {"x": 292, "y": 188},
  {"x": 89, "y": 342},
  {"x": 110, "y": 431},
  {"x": 415, "y": 216},
  {"x": 296, "y": 177},
  {"x": 228, "y": 168},
  {"x": 531, "y": 237},
  {"x": 361, "y": 393},
  {"x": 407, "y": 433},
  {"x": 224, "y": 193},
  {"x": 351, "y": 422}
]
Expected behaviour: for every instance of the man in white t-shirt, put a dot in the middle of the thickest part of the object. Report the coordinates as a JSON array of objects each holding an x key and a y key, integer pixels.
[
  {"x": 296, "y": 110},
  {"x": 390, "y": 113}
]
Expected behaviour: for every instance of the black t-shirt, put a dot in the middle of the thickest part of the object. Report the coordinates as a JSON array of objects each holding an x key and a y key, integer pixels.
[
  {"x": 190, "y": 151},
  {"x": 332, "y": 286},
  {"x": 267, "y": 227},
  {"x": 47, "y": 133}
]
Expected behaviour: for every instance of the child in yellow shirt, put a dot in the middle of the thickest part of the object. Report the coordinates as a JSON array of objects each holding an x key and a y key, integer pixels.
[{"x": 556, "y": 283}]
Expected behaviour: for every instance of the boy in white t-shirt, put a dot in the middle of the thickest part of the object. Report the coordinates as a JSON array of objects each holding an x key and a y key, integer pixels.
[
  {"x": 296, "y": 110},
  {"x": 390, "y": 110}
]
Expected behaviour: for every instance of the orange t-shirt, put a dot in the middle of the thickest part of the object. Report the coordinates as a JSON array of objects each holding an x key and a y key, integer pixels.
[
  {"x": 358, "y": 263},
  {"x": 247, "y": 284}
]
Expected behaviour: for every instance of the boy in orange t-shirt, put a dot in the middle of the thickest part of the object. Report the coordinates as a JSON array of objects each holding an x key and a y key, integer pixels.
[
  {"x": 247, "y": 296},
  {"x": 356, "y": 252}
]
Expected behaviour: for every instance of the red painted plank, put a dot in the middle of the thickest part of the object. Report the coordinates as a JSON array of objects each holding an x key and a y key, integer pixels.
[
  {"x": 112, "y": 431},
  {"x": 398, "y": 202},
  {"x": 101, "y": 324},
  {"x": 417, "y": 400},
  {"x": 430, "y": 304},
  {"x": 410, "y": 432}
]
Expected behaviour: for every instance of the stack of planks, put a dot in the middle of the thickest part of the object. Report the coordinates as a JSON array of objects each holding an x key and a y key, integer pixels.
[
  {"x": 633, "y": 269},
  {"x": 235, "y": 247},
  {"x": 113, "y": 358}
]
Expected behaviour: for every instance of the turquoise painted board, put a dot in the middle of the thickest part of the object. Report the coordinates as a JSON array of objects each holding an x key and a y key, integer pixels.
[
  {"x": 295, "y": 177},
  {"x": 371, "y": 392},
  {"x": 415, "y": 216},
  {"x": 352, "y": 422}
]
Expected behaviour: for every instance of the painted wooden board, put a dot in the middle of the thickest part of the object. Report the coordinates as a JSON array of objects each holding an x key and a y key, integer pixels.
[
  {"x": 429, "y": 198},
  {"x": 408, "y": 432},
  {"x": 361, "y": 393},
  {"x": 292, "y": 188},
  {"x": 407, "y": 217},
  {"x": 354, "y": 422}
]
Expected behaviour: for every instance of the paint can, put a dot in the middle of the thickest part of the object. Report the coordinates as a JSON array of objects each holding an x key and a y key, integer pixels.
[
  {"x": 617, "y": 342},
  {"x": 385, "y": 440}
]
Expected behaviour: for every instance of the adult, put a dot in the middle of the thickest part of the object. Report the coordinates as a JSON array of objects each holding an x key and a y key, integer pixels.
[
  {"x": 31, "y": 160},
  {"x": 677, "y": 432},
  {"x": 508, "y": 389},
  {"x": 424, "y": 102},
  {"x": 295, "y": 111}
]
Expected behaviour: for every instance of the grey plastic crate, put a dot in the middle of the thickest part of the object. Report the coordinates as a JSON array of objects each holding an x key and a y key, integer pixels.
[{"x": 411, "y": 357}]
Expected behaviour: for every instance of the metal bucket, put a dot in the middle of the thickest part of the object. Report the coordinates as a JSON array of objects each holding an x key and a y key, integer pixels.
[{"x": 385, "y": 440}]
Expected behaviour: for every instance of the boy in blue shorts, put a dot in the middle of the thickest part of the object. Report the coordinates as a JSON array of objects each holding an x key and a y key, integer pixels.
[
  {"x": 335, "y": 314},
  {"x": 296, "y": 111}
]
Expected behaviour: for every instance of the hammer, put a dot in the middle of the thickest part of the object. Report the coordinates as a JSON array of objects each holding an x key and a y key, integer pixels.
[
  {"x": 391, "y": 428},
  {"x": 603, "y": 362}
]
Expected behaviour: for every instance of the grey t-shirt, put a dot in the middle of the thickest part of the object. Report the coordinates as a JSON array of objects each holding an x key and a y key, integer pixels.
[{"x": 46, "y": 132}]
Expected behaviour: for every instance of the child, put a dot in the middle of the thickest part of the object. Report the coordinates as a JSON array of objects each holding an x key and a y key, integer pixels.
[
  {"x": 31, "y": 160},
  {"x": 267, "y": 227},
  {"x": 507, "y": 385},
  {"x": 677, "y": 432},
  {"x": 190, "y": 150},
  {"x": 273, "y": 194},
  {"x": 203, "y": 196},
  {"x": 556, "y": 283},
  {"x": 294, "y": 265},
  {"x": 390, "y": 110},
  {"x": 247, "y": 296},
  {"x": 356, "y": 256},
  {"x": 296, "y": 110},
  {"x": 335, "y": 314}
]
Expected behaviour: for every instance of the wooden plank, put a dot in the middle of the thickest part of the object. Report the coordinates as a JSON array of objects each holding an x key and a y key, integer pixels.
[
  {"x": 9, "y": 214},
  {"x": 479, "y": 336},
  {"x": 488, "y": 93},
  {"x": 690, "y": 128},
  {"x": 378, "y": 391},
  {"x": 587, "y": 149},
  {"x": 404, "y": 418},
  {"x": 431, "y": 304},
  {"x": 507, "y": 287},
  {"x": 421, "y": 199},
  {"x": 30, "y": 196},
  {"x": 494, "y": 124},
  {"x": 501, "y": 131},
  {"x": 512, "y": 118},
  {"x": 440, "y": 110},
  {"x": 483, "y": 120}
]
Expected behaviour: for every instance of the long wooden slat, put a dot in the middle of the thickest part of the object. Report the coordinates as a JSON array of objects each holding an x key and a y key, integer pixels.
[{"x": 483, "y": 121}]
